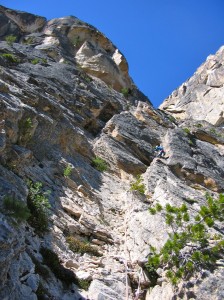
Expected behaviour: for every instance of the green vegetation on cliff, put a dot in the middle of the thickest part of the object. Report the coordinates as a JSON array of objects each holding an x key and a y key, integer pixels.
[{"x": 193, "y": 244}]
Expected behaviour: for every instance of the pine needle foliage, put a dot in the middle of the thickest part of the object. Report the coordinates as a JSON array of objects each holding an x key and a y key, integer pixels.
[
  {"x": 191, "y": 247},
  {"x": 138, "y": 185}
]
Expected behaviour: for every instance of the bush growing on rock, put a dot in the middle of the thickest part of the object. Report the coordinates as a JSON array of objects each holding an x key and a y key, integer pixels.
[
  {"x": 126, "y": 92},
  {"x": 67, "y": 171},
  {"x": 10, "y": 58},
  {"x": 99, "y": 164},
  {"x": 39, "y": 205},
  {"x": 78, "y": 246},
  {"x": 186, "y": 130},
  {"x": 191, "y": 246},
  {"x": 138, "y": 185},
  {"x": 35, "y": 61},
  {"x": 10, "y": 39}
]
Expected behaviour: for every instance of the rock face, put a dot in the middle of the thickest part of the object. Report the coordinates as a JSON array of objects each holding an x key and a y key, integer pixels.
[
  {"x": 67, "y": 101},
  {"x": 201, "y": 96}
]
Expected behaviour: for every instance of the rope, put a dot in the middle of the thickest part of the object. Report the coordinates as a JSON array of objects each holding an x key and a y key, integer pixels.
[
  {"x": 139, "y": 282},
  {"x": 126, "y": 253}
]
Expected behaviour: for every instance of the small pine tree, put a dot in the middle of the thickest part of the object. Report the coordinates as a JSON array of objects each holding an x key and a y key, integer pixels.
[
  {"x": 138, "y": 185},
  {"x": 190, "y": 247}
]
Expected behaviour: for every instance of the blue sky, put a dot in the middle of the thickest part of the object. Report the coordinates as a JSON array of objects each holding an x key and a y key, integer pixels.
[{"x": 164, "y": 41}]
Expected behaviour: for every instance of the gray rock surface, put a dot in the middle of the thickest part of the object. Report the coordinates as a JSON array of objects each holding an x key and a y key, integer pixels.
[{"x": 201, "y": 96}]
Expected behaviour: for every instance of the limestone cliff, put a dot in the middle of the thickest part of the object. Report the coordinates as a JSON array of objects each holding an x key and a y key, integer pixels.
[
  {"x": 201, "y": 96},
  {"x": 66, "y": 98}
]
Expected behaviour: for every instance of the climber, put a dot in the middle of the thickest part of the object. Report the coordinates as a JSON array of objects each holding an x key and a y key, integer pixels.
[{"x": 160, "y": 151}]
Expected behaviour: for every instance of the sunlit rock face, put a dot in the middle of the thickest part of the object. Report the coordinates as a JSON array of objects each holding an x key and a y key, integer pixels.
[
  {"x": 17, "y": 22},
  {"x": 93, "y": 52},
  {"x": 201, "y": 97},
  {"x": 64, "y": 117}
]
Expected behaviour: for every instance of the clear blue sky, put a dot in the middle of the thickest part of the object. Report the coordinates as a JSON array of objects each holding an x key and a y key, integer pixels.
[{"x": 164, "y": 41}]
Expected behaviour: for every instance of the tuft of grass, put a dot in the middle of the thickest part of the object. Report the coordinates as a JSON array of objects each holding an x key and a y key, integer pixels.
[
  {"x": 35, "y": 61},
  {"x": 126, "y": 92},
  {"x": 99, "y": 164},
  {"x": 10, "y": 39},
  {"x": 25, "y": 124},
  {"x": 10, "y": 58},
  {"x": 84, "y": 284},
  {"x": 67, "y": 171},
  {"x": 78, "y": 246},
  {"x": 186, "y": 130}
]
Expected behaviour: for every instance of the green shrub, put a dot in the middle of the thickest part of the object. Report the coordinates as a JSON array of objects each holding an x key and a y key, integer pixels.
[
  {"x": 35, "y": 61},
  {"x": 17, "y": 208},
  {"x": 25, "y": 124},
  {"x": 10, "y": 39},
  {"x": 76, "y": 41},
  {"x": 10, "y": 58},
  {"x": 138, "y": 185},
  {"x": 126, "y": 92},
  {"x": 25, "y": 129},
  {"x": 78, "y": 246},
  {"x": 190, "y": 247},
  {"x": 154, "y": 210},
  {"x": 99, "y": 164},
  {"x": 84, "y": 284},
  {"x": 172, "y": 119},
  {"x": 67, "y": 171},
  {"x": 191, "y": 143},
  {"x": 39, "y": 207},
  {"x": 187, "y": 130},
  {"x": 213, "y": 131}
]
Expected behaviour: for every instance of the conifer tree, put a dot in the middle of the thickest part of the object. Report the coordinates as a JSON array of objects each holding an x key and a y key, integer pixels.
[{"x": 194, "y": 244}]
